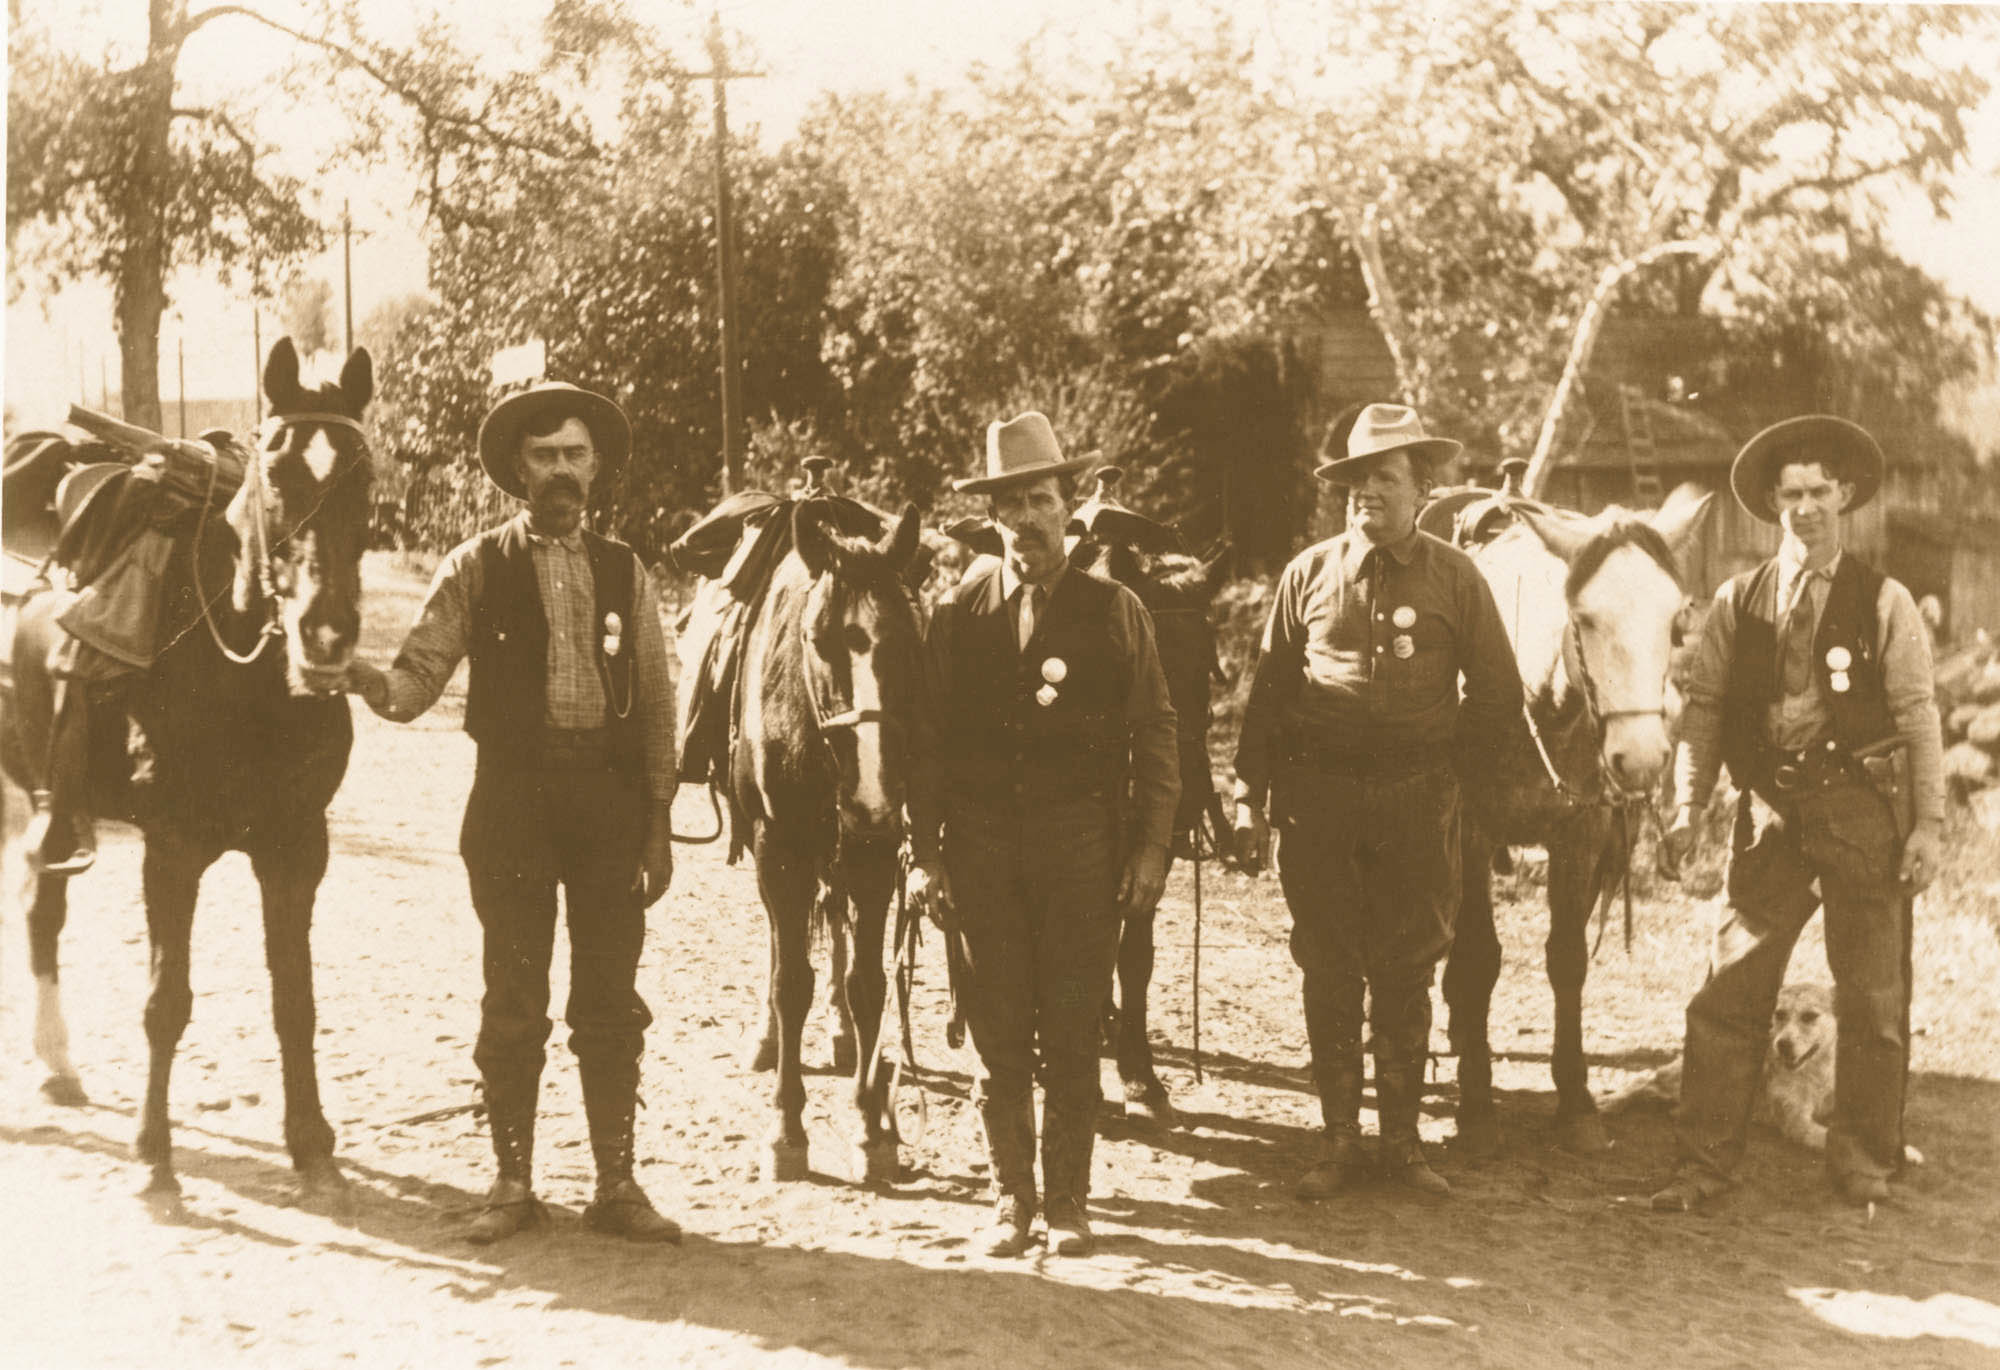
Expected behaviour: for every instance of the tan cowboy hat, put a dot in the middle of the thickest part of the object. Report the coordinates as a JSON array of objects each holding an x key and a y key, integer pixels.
[
  {"x": 1020, "y": 450},
  {"x": 1809, "y": 437},
  {"x": 500, "y": 433},
  {"x": 1383, "y": 428}
]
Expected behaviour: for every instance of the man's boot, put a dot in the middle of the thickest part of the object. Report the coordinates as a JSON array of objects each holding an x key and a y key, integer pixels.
[
  {"x": 1010, "y": 1148},
  {"x": 621, "y": 1208},
  {"x": 1346, "y": 1161},
  {"x": 1399, "y": 1088},
  {"x": 61, "y": 837},
  {"x": 1069, "y": 1136},
  {"x": 511, "y": 1204}
]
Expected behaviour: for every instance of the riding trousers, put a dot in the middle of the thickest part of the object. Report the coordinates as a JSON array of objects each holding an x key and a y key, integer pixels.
[
  {"x": 1843, "y": 837},
  {"x": 527, "y": 831}
]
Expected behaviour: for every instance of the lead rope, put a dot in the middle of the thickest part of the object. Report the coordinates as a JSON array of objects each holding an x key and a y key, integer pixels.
[
  {"x": 909, "y": 935},
  {"x": 1195, "y": 989},
  {"x": 271, "y": 628}
]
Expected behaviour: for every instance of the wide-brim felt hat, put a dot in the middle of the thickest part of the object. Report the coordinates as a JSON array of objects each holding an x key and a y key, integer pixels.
[
  {"x": 1022, "y": 449},
  {"x": 500, "y": 432},
  {"x": 1382, "y": 428},
  {"x": 1807, "y": 438}
]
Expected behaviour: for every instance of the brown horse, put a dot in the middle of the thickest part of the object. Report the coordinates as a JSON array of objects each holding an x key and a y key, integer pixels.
[
  {"x": 830, "y": 679},
  {"x": 246, "y": 733},
  {"x": 1591, "y": 606}
]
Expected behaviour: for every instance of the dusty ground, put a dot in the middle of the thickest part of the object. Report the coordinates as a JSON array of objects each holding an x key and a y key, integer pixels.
[{"x": 1541, "y": 1258}]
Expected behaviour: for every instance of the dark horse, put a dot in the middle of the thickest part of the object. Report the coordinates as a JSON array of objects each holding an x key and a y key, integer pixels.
[
  {"x": 1592, "y": 607},
  {"x": 831, "y": 677},
  {"x": 248, "y": 739}
]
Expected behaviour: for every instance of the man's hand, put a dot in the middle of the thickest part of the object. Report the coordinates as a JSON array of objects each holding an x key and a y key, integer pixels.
[
  {"x": 656, "y": 861},
  {"x": 1922, "y": 852},
  {"x": 1677, "y": 842},
  {"x": 929, "y": 888},
  {"x": 1145, "y": 878},
  {"x": 369, "y": 683},
  {"x": 1253, "y": 836}
]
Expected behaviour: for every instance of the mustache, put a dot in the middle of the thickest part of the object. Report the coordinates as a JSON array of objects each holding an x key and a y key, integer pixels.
[{"x": 562, "y": 482}]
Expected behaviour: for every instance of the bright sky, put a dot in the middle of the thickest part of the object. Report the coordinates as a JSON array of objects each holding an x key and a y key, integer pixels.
[{"x": 804, "y": 47}]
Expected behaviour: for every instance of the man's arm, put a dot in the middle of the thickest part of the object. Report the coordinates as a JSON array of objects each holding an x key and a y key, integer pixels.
[
  {"x": 1274, "y": 684},
  {"x": 926, "y": 797},
  {"x": 1490, "y": 717},
  {"x": 1907, "y": 680},
  {"x": 1698, "y": 757},
  {"x": 431, "y": 651},
  {"x": 1149, "y": 713},
  {"x": 655, "y": 691}
]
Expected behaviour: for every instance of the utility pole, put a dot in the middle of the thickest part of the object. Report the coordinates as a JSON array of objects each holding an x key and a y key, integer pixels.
[
  {"x": 725, "y": 258},
  {"x": 347, "y": 273},
  {"x": 257, "y": 358},
  {"x": 181, "y": 356}
]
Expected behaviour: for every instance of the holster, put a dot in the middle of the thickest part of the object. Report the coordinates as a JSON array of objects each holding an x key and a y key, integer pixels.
[{"x": 1887, "y": 766}]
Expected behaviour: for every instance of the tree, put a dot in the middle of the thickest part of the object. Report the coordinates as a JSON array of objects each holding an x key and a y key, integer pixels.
[{"x": 305, "y": 312}]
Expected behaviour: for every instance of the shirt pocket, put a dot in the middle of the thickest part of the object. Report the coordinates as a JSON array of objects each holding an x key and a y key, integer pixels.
[{"x": 1432, "y": 664}]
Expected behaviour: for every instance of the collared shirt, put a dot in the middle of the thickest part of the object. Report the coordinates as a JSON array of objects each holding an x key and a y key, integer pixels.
[
  {"x": 437, "y": 642},
  {"x": 1364, "y": 649},
  {"x": 1031, "y": 601},
  {"x": 1149, "y": 714},
  {"x": 1902, "y": 647}
]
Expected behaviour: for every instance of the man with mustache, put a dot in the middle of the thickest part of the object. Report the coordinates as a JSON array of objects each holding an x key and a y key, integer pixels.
[
  {"x": 1041, "y": 805},
  {"x": 1812, "y": 683},
  {"x": 1354, "y": 728},
  {"x": 568, "y": 699}
]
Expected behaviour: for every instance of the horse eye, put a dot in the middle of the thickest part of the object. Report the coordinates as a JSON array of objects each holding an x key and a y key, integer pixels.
[
  {"x": 857, "y": 640},
  {"x": 1809, "y": 1017}
]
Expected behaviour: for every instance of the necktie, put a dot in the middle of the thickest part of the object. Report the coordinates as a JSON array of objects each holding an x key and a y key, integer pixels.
[
  {"x": 1032, "y": 597},
  {"x": 1795, "y": 647}
]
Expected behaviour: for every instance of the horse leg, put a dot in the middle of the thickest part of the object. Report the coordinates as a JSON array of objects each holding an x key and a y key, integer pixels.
[
  {"x": 1145, "y": 1097},
  {"x": 1573, "y": 884},
  {"x": 1470, "y": 973},
  {"x": 833, "y": 916},
  {"x": 171, "y": 875},
  {"x": 48, "y": 911},
  {"x": 870, "y": 879},
  {"x": 785, "y": 877},
  {"x": 289, "y": 873},
  {"x": 764, "y": 1055}
]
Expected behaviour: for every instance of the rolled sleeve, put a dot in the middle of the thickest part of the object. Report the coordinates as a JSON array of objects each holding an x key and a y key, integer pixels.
[
  {"x": 656, "y": 695},
  {"x": 1149, "y": 714}
]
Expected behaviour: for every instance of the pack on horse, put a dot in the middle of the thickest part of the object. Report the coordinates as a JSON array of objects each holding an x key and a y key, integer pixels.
[
  {"x": 245, "y": 741},
  {"x": 827, "y": 672},
  {"x": 1176, "y": 589},
  {"x": 1592, "y": 607}
]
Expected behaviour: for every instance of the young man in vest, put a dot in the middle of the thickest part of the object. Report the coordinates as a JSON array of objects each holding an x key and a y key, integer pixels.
[
  {"x": 1041, "y": 808},
  {"x": 568, "y": 699},
  {"x": 1357, "y": 732},
  {"x": 1813, "y": 673}
]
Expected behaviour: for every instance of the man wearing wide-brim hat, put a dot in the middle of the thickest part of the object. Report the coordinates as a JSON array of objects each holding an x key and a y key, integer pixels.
[
  {"x": 1812, "y": 683},
  {"x": 569, "y": 703},
  {"x": 1356, "y": 733},
  {"x": 1041, "y": 805}
]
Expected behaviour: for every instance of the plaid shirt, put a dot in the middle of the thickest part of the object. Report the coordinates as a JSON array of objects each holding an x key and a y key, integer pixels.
[{"x": 437, "y": 643}]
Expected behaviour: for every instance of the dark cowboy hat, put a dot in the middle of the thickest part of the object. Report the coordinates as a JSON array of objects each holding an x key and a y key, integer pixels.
[
  {"x": 500, "y": 433},
  {"x": 1022, "y": 449},
  {"x": 1809, "y": 437},
  {"x": 1381, "y": 428}
]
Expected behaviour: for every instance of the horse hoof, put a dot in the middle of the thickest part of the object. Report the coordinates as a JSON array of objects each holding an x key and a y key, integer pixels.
[
  {"x": 1478, "y": 1137},
  {"x": 1582, "y": 1133},
  {"x": 878, "y": 1162},
  {"x": 1147, "y": 1104},
  {"x": 785, "y": 1161},
  {"x": 762, "y": 1057},
  {"x": 320, "y": 1178},
  {"x": 845, "y": 1054},
  {"x": 162, "y": 1186},
  {"x": 65, "y": 1090}
]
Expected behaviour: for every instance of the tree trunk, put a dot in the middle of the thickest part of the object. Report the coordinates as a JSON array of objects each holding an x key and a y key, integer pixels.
[{"x": 140, "y": 287}]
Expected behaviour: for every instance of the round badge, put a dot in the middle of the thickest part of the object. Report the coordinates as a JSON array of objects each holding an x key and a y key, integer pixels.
[
  {"x": 1055, "y": 670},
  {"x": 1405, "y": 648},
  {"x": 1404, "y": 617},
  {"x": 1045, "y": 696},
  {"x": 1839, "y": 682},
  {"x": 1838, "y": 658}
]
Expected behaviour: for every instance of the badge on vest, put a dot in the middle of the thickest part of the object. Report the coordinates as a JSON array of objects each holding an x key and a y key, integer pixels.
[
  {"x": 1054, "y": 672},
  {"x": 1838, "y": 659},
  {"x": 1404, "y": 646},
  {"x": 1405, "y": 618},
  {"x": 614, "y": 634}
]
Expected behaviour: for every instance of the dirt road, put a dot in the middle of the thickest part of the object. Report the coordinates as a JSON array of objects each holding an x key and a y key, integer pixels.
[{"x": 1541, "y": 1257}]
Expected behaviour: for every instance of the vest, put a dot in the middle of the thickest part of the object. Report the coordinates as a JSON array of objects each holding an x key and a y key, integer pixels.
[
  {"x": 1860, "y": 713},
  {"x": 1001, "y": 743},
  {"x": 506, "y": 696}
]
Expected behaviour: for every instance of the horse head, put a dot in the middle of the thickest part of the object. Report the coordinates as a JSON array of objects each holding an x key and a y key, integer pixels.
[
  {"x": 301, "y": 516},
  {"x": 862, "y": 661},
  {"x": 1624, "y": 597}
]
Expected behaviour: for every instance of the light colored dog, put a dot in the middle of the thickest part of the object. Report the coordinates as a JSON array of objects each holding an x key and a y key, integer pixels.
[{"x": 1797, "y": 1094}]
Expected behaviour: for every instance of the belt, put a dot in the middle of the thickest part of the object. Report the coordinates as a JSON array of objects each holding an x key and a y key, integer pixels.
[
  {"x": 1813, "y": 768},
  {"x": 1372, "y": 763},
  {"x": 561, "y": 749}
]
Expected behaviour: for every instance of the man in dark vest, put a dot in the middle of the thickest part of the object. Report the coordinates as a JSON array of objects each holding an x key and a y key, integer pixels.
[
  {"x": 1357, "y": 731},
  {"x": 1812, "y": 683},
  {"x": 1041, "y": 807},
  {"x": 569, "y": 702}
]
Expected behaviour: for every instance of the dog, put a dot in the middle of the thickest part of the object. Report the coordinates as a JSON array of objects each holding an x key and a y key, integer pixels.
[{"x": 1797, "y": 1093}]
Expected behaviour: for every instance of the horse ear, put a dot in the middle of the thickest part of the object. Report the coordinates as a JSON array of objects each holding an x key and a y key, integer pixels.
[
  {"x": 281, "y": 375},
  {"x": 1681, "y": 516},
  {"x": 357, "y": 380},
  {"x": 903, "y": 541},
  {"x": 1563, "y": 536},
  {"x": 810, "y": 536}
]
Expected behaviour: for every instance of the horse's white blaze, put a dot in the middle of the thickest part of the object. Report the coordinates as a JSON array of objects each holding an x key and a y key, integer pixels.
[
  {"x": 871, "y": 792},
  {"x": 1630, "y": 605},
  {"x": 51, "y": 1031},
  {"x": 320, "y": 455}
]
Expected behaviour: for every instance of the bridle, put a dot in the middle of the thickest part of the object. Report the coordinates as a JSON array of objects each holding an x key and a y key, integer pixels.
[{"x": 832, "y": 716}]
